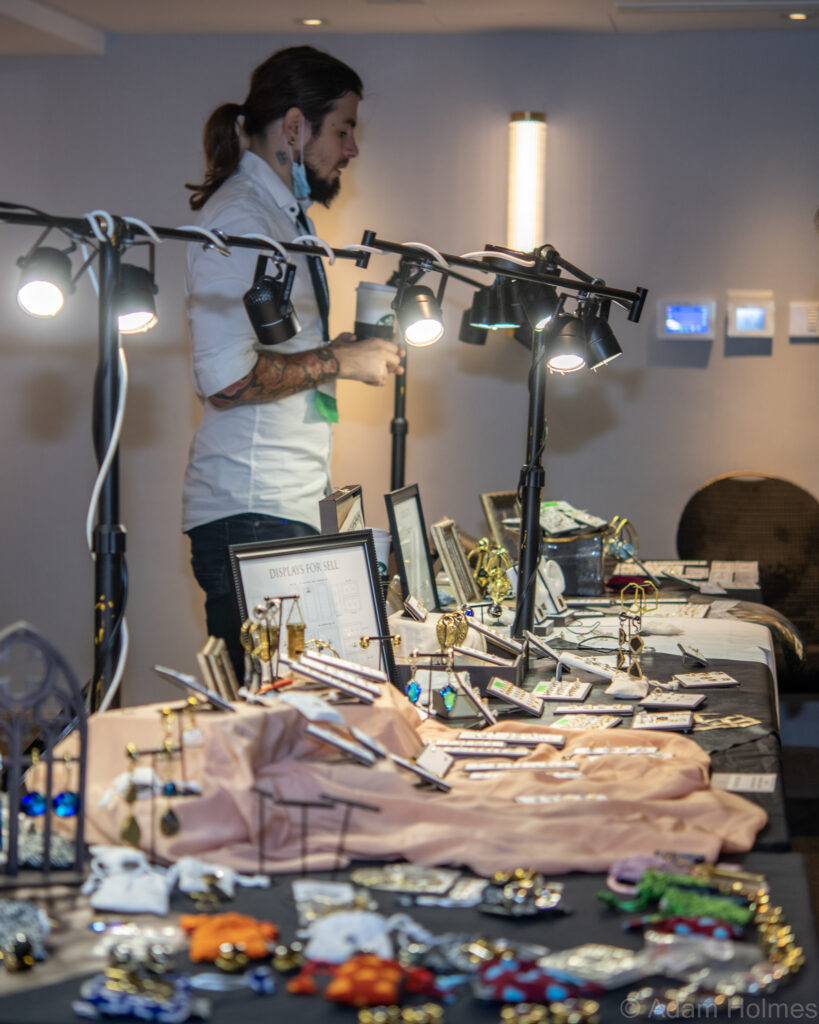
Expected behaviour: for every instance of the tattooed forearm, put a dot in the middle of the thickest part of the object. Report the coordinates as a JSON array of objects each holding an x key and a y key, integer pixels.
[{"x": 277, "y": 376}]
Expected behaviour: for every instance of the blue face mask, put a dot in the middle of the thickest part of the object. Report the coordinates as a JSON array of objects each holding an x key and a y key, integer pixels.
[{"x": 301, "y": 187}]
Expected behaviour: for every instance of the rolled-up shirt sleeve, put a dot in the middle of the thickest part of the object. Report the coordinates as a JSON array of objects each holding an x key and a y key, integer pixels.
[{"x": 222, "y": 337}]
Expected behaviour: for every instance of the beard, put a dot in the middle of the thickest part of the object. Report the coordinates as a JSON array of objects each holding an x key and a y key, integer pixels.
[{"x": 321, "y": 190}]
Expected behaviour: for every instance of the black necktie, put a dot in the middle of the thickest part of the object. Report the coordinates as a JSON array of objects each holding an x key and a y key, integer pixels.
[{"x": 319, "y": 279}]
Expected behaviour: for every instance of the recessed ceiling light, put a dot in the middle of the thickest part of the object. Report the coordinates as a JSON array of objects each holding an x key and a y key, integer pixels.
[
  {"x": 311, "y": 22},
  {"x": 797, "y": 16}
]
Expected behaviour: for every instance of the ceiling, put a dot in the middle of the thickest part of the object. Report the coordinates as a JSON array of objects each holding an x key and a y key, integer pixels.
[{"x": 81, "y": 26}]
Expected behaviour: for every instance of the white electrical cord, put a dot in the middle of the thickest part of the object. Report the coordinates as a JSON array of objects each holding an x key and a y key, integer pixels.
[
  {"x": 212, "y": 238},
  {"x": 498, "y": 256},
  {"x": 439, "y": 259},
  {"x": 110, "y": 452},
  {"x": 281, "y": 252},
  {"x": 149, "y": 231},
  {"x": 120, "y": 669},
  {"x": 364, "y": 248},
  {"x": 331, "y": 256}
]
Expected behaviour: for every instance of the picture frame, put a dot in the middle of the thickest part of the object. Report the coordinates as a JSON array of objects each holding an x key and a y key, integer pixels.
[
  {"x": 453, "y": 558},
  {"x": 411, "y": 547},
  {"x": 336, "y": 579},
  {"x": 497, "y": 506},
  {"x": 342, "y": 511}
]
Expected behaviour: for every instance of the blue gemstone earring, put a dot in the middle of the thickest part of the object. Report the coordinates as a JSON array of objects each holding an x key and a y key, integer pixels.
[
  {"x": 67, "y": 802},
  {"x": 413, "y": 688},
  {"x": 33, "y": 805}
]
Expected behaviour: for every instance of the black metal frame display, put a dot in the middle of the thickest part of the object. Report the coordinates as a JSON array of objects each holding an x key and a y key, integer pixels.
[
  {"x": 411, "y": 495},
  {"x": 40, "y": 699},
  {"x": 304, "y": 566}
]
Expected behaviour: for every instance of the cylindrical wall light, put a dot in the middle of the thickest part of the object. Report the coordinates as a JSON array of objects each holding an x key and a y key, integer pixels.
[{"x": 525, "y": 227}]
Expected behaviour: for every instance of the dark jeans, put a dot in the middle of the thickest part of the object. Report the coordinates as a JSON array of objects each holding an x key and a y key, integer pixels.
[{"x": 211, "y": 567}]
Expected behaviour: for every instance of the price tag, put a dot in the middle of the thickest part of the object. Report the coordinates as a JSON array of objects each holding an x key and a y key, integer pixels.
[{"x": 744, "y": 782}]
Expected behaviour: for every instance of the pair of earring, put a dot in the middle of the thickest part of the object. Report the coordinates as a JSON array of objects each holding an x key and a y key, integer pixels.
[{"x": 65, "y": 804}]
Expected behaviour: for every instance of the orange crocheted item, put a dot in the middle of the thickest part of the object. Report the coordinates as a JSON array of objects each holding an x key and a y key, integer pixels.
[
  {"x": 366, "y": 980},
  {"x": 209, "y": 931}
]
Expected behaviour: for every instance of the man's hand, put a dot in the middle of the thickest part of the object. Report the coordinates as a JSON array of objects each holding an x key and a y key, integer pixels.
[{"x": 370, "y": 361}]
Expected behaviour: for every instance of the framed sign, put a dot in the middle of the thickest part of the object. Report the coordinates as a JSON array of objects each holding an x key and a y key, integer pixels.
[
  {"x": 498, "y": 506},
  {"x": 337, "y": 583},
  {"x": 342, "y": 511},
  {"x": 409, "y": 542},
  {"x": 453, "y": 557}
]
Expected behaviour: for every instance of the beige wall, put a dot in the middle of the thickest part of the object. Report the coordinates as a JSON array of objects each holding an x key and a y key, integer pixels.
[{"x": 684, "y": 163}]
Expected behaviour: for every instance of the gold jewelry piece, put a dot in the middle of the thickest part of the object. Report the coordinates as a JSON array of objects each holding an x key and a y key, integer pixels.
[{"x": 130, "y": 832}]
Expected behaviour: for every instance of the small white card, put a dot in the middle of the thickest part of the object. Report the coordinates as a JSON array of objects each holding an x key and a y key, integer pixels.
[
  {"x": 671, "y": 721},
  {"x": 588, "y": 721},
  {"x": 552, "y": 689},
  {"x": 523, "y": 738},
  {"x": 681, "y": 701},
  {"x": 313, "y": 707},
  {"x": 697, "y": 680},
  {"x": 421, "y": 772},
  {"x": 435, "y": 760},
  {"x": 516, "y": 695},
  {"x": 595, "y": 709},
  {"x": 744, "y": 782}
]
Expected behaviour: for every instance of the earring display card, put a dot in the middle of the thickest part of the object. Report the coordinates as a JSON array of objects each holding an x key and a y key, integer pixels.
[
  {"x": 679, "y": 701},
  {"x": 485, "y": 656},
  {"x": 595, "y": 709},
  {"x": 583, "y": 721},
  {"x": 516, "y": 695},
  {"x": 492, "y": 636},
  {"x": 330, "y": 662},
  {"x": 564, "y": 690},
  {"x": 672, "y": 721},
  {"x": 368, "y": 741},
  {"x": 562, "y": 769},
  {"x": 462, "y": 748},
  {"x": 421, "y": 772},
  {"x": 317, "y": 676},
  {"x": 524, "y": 738},
  {"x": 696, "y": 680},
  {"x": 355, "y": 750}
]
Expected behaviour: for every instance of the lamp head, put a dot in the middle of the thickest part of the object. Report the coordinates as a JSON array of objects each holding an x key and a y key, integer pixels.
[
  {"x": 603, "y": 346},
  {"x": 44, "y": 282},
  {"x": 419, "y": 316},
  {"x": 538, "y": 302},
  {"x": 566, "y": 344},
  {"x": 268, "y": 305},
  {"x": 134, "y": 302},
  {"x": 469, "y": 333}
]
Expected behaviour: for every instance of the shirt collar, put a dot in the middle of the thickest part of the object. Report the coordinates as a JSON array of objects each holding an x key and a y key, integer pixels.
[{"x": 261, "y": 171}]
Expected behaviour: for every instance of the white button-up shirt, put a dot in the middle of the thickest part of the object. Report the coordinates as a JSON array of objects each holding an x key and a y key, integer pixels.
[{"x": 272, "y": 457}]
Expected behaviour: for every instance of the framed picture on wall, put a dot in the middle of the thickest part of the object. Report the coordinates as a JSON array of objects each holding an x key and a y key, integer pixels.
[
  {"x": 342, "y": 511},
  {"x": 336, "y": 581},
  {"x": 409, "y": 542},
  {"x": 498, "y": 506},
  {"x": 453, "y": 557}
]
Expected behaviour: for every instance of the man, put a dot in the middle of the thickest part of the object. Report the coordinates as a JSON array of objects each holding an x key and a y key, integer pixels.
[{"x": 259, "y": 463}]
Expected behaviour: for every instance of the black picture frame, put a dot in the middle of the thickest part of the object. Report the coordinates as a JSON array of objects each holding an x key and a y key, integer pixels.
[
  {"x": 497, "y": 506},
  {"x": 335, "y": 509},
  {"x": 336, "y": 579},
  {"x": 411, "y": 546}
]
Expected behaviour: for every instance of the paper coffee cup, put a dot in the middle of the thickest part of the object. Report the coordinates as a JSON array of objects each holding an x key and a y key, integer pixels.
[
  {"x": 374, "y": 315},
  {"x": 383, "y": 545}
]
